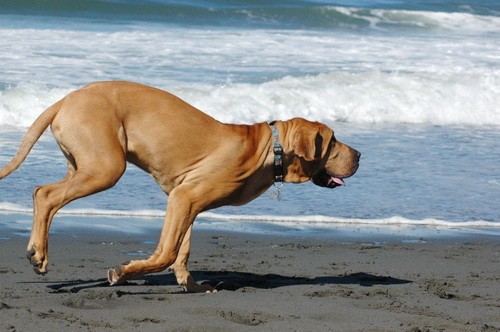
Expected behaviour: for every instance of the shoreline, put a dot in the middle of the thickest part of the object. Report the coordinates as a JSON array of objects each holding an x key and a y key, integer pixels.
[
  {"x": 266, "y": 282},
  {"x": 20, "y": 224}
]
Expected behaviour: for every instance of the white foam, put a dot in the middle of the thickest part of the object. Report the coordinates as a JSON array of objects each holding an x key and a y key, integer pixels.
[
  {"x": 21, "y": 105},
  {"x": 371, "y": 97},
  {"x": 367, "y": 97},
  {"x": 452, "y": 21},
  {"x": 259, "y": 75},
  {"x": 328, "y": 221},
  {"x": 319, "y": 221}
]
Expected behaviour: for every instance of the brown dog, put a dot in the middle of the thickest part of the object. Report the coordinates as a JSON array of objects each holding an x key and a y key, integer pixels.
[{"x": 199, "y": 162}]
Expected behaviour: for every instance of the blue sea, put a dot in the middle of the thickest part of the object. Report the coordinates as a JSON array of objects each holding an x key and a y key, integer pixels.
[{"x": 413, "y": 85}]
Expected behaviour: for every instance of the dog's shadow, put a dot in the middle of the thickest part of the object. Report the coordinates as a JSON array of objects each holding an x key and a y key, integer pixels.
[{"x": 232, "y": 281}]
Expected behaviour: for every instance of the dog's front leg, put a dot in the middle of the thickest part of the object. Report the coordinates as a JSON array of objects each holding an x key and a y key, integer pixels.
[
  {"x": 181, "y": 272},
  {"x": 183, "y": 206}
]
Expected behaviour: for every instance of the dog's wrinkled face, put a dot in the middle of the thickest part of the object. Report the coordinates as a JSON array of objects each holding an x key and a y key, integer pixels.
[
  {"x": 342, "y": 162},
  {"x": 319, "y": 157}
]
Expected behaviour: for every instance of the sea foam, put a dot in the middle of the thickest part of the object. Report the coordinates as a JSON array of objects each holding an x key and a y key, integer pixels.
[
  {"x": 366, "y": 97},
  {"x": 318, "y": 221},
  {"x": 384, "y": 19}
]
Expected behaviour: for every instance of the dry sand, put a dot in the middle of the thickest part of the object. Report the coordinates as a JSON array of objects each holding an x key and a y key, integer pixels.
[{"x": 267, "y": 283}]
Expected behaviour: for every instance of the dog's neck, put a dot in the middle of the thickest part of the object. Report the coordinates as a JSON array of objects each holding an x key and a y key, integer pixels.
[{"x": 279, "y": 167}]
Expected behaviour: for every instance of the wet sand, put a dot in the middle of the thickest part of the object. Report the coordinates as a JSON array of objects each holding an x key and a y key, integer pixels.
[{"x": 265, "y": 282}]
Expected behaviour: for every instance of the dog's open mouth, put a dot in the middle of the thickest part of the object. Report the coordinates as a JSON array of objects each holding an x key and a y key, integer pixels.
[{"x": 323, "y": 179}]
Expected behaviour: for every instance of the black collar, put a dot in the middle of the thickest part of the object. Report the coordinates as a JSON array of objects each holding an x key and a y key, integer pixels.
[{"x": 278, "y": 168}]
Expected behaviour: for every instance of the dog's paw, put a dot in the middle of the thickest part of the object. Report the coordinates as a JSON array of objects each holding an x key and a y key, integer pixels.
[
  {"x": 39, "y": 266},
  {"x": 113, "y": 277}
]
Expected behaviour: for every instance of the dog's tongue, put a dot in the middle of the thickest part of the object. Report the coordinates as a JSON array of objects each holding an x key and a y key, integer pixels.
[{"x": 338, "y": 181}]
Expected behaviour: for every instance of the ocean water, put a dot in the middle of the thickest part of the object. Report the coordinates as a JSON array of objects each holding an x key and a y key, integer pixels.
[{"x": 413, "y": 85}]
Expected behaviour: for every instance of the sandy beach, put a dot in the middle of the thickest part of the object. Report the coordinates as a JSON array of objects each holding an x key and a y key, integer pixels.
[
  {"x": 410, "y": 243},
  {"x": 265, "y": 282}
]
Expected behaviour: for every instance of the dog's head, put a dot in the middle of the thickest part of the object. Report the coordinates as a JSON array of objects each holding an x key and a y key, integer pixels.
[{"x": 313, "y": 153}]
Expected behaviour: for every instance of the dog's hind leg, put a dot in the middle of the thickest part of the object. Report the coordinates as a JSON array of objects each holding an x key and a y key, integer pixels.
[{"x": 48, "y": 199}]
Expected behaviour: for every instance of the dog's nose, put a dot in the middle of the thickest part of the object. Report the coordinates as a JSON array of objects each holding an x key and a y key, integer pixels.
[{"x": 358, "y": 154}]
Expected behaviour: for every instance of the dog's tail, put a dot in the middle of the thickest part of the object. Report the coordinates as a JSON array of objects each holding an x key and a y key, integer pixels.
[{"x": 34, "y": 132}]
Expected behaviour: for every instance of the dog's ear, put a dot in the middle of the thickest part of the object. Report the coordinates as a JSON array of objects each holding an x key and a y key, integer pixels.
[{"x": 312, "y": 141}]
